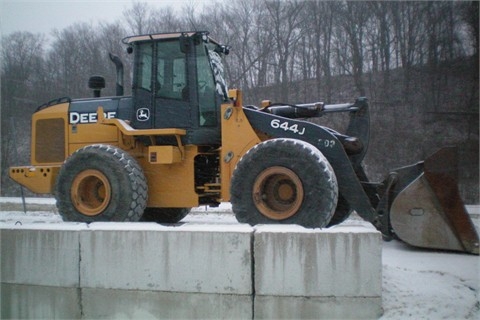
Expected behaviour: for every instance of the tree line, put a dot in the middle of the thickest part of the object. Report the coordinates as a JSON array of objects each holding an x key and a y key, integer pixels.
[{"x": 398, "y": 53}]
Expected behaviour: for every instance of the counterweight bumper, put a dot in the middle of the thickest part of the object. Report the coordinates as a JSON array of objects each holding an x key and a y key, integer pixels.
[{"x": 38, "y": 179}]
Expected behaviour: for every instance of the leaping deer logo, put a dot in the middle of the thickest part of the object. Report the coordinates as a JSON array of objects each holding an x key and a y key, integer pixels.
[{"x": 143, "y": 114}]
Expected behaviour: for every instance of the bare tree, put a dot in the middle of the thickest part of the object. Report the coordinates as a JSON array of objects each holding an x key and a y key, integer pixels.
[
  {"x": 284, "y": 17},
  {"x": 21, "y": 65},
  {"x": 470, "y": 15},
  {"x": 139, "y": 18},
  {"x": 381, "y": 44},
  {"x": 320, "y": 16},
  {"x": 409, "y": 37},
  {"x": 353, "y": 19},
  {"x": 165, "y": 20},
  {"x": 75, "y": 56},
  {"x": 22, "y": 59}
]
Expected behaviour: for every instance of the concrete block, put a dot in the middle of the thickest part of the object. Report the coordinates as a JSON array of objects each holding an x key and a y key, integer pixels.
[
  {"x": 133, "y": 304},
  {"x": 269, "y": 307},
  {"x": 41, "y": 254},
  {"x": 184, "y": 258},
  {"x": 39, "y": 302},
  {"x": 342, "y": 261}
]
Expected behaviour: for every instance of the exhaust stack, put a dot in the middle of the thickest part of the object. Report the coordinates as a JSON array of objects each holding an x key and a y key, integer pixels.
[{"x": 119, "y": 67}]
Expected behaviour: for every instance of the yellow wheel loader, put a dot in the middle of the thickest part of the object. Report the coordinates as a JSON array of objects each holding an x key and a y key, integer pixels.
[{"x": 182, "y": 140}]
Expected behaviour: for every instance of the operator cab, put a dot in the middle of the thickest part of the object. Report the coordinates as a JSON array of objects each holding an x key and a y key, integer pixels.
[{"x": 178, "y": 82}]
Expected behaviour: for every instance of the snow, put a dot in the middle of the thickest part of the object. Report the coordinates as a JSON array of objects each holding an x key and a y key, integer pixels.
[
  {"x": 6, "y": 200},
  {"x": 417, "y": 283},
  {"x": 421, "y": 284}
]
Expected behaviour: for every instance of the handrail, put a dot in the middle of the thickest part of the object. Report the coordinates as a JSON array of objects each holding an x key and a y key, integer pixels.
[{"x": 127, "y": 130}]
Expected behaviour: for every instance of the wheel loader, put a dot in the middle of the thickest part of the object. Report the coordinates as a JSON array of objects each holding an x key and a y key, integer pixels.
[{"x": 183, "y": 139}]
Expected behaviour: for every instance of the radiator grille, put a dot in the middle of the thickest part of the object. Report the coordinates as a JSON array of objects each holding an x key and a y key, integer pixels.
[{"x": 50, "y": 140}]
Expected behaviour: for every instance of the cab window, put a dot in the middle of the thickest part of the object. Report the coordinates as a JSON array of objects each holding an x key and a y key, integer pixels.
[
  {"x": 144, "y": 67},
  {"x": 171, "y": 79}
]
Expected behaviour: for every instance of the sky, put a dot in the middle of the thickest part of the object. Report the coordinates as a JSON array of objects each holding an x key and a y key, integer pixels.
[{"x": 42, "y": 16}]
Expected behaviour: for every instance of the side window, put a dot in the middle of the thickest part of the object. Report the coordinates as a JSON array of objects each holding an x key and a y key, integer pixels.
[
  {"x": 206, "y": 90},
  {"x": 171, "y": 79},
  {"x": 144, "y": 67}
]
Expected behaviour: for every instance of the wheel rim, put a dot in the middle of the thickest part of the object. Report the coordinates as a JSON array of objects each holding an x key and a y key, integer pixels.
[
  {"x": 278, "y": 193},
  {"x": 91, "y": 192}
]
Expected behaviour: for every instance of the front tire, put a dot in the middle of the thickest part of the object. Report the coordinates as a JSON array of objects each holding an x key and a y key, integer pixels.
[
  {"x": 284, "y": 181},
  {"x": 342, "y": 212},
  {"x": 101, "y": 183}
]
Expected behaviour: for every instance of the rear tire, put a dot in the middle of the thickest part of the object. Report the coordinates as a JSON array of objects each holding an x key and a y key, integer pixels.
[
  {"x": 284, "y": 181},
  {"x": 101, "y": 183},
  {"x": 165, "y": 215}
]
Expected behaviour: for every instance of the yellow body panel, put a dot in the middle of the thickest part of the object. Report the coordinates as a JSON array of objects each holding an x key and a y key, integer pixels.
[
  {"x": 238, "y": 137},
  {"x": 92, "y": 133},
  {"x": 39, "y": 179},
  {"x": 83, "y": 135},
  {"x": 172, "y": 185},
  {"x": 164, "y": 154}
]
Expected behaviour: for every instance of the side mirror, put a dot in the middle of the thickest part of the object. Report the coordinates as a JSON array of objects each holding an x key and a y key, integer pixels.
[{"x": 222, "y": 49}]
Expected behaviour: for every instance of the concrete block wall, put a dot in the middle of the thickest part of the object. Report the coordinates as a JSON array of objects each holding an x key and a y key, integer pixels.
[
  {"x": 40, "y": 271},
  {"x": 146, "y": 270},
  {"x": 305, "y": 273},
  {"x": 191, "y": 259}
]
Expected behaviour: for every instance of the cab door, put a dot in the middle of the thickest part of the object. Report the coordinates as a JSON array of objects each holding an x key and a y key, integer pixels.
[
  {"x": 173, "y": 95},
  {"x": 161, "y": 90},
  {"x": 143, "y": 88}
]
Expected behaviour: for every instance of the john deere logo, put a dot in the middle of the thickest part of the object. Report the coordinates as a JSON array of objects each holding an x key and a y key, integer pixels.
[{"x": 143, "y": 114}]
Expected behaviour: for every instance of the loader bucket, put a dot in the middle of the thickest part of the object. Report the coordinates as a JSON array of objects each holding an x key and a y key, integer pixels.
[{"x": 429, "y": 212}]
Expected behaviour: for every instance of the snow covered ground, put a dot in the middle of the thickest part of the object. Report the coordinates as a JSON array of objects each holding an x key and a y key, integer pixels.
[{"x": 417, "y": 283}]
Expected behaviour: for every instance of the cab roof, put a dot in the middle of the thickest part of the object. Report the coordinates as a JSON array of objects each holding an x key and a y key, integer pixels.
[{"x": 165, "y": 36}]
